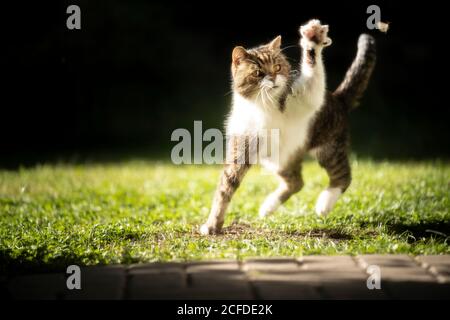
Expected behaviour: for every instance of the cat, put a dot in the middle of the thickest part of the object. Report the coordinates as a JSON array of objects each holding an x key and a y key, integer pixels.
[{"x": 268, "y": 95}]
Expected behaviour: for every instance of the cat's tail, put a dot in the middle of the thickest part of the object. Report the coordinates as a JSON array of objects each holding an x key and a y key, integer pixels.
[{"x": 355, "y": 82}]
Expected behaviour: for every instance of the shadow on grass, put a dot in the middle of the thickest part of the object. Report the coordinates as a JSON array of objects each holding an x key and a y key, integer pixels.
[
  {"x": 237, "y": 229},
  {"x": 438, "y": 230},
  {"x": 11, "y": 265}
]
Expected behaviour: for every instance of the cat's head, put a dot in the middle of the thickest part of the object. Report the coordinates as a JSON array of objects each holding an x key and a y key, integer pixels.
[{"x": 260, "y": 73}]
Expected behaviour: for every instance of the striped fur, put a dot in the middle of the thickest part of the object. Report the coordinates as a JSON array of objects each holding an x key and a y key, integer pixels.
[{"x": 357, "y": 78}]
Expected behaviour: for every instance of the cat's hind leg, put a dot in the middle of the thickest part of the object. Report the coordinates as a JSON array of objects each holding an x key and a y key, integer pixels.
[
  {"x": 335, "y": 161},
  {"x": 291, "y": 182}
]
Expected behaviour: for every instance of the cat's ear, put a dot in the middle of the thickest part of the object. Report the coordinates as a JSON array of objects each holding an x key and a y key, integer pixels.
[
  {"x": 275, "y": 44},
  {"x": 239, "y": 53}
]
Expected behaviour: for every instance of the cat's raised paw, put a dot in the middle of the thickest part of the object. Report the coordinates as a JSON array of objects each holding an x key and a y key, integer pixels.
[{"x": 314, "y": 34}]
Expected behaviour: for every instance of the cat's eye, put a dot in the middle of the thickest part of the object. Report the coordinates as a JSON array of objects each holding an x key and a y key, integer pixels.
[
  {"x": 277, "y": 68},
  {"x": 256, "y": 73}
]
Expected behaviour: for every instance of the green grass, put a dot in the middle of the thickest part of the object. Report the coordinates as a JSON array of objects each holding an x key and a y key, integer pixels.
[{"x": 54, "y": 215}]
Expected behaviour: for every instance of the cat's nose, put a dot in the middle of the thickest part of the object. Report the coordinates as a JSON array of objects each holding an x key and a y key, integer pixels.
[
  {"x": 269, "y": 81},
  {"x": 271, "y": 77}
]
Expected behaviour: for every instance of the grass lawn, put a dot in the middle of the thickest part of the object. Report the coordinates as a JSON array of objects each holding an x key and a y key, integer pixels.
[{"x": 55, "y": 215}]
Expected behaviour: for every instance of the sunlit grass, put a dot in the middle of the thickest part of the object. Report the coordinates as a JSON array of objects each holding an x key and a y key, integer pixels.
[{"x": 150, "y": 211}]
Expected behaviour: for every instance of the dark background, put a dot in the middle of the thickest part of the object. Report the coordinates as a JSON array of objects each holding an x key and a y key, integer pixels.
[{"x": 137, "y": 70}]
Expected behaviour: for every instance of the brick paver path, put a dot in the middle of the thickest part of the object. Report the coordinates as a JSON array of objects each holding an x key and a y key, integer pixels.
[{"x": 310, "y": 277}]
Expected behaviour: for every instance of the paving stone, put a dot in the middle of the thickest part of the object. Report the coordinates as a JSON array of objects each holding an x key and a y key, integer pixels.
[
  {"x": 313, "y": 269},
  {"x": 350, "y": 289},
  {"x": 201, "y": 285},
  {"x": 212, "y": 266},
  {"x": 435, "y": 259},
  {"x": 318, "y": 277},
  {"x": 163, "y": 271},
  {"x": 416, "y": 274},
  {"x": 442, "y": 273},
  {"x": 220, "y": 278},
  {"x": 207, "y": 280},
  {"x": 330, "y": 268},
  {"x": 328, "y": 263},
  {"x": 438, "y": 265},
  {"x": 38, "y": 286},
  {"x": 158, "y": 277},
  {"x": 156, "y": 281},
  {"x": 336, "y": 277},
  {"x": 395, "y": 261},
  {"x": 105, "y": 282},
  {"x": 311, "y": 277},
  {"x": 271, "y": 265},
  {"x": 155, "y": 265},
  {"x": 303, "y": 277},
  {"x": 397, "y": 268},
  {"x": 149, "y": 282}
]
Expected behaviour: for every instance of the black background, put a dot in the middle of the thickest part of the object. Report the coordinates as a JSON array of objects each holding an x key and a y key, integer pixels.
[{"x": 137, "y": 70}]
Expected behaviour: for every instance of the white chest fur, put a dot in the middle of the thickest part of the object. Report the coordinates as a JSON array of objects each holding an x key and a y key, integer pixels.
[{"x": 250, "y": 118}]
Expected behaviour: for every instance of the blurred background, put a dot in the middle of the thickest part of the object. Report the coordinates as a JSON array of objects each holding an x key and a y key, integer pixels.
[{"x": 137, "y": 70}]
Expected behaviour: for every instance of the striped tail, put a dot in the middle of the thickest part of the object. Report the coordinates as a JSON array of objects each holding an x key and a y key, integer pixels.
[{"x": 355, "y": 82}]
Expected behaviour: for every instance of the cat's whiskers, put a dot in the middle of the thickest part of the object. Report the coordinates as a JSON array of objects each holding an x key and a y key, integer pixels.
[
  {"x": 271, "y": 98},
  {"x": 265, "y": 93},
  {"x": 258, "y": 95},
  {"x": 270, "y": 103},
  {"x": 263, "y": 96},
  {"x": 229, "y": 92},
  {"x": 282, "y": 49}
]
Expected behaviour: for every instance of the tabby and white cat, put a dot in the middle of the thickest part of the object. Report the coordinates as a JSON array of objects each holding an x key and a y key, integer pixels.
[{"x": 268, "y": 95}]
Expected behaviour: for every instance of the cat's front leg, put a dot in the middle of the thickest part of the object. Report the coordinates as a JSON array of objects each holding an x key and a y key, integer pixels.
[
  {"x": 230, "y": 180},
  {"x": 310, "y": 86},
  {"x": 238, "y": 163}
]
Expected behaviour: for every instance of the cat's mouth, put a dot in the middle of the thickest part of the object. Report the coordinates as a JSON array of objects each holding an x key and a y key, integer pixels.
[
  {"x": 270, "y": 87},
  {"x": 267, "y": 84}
]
